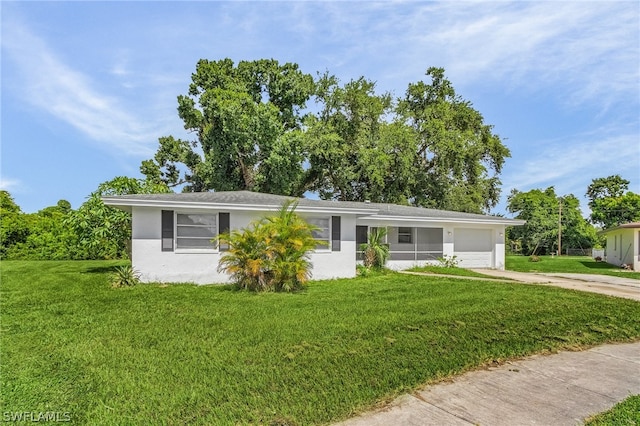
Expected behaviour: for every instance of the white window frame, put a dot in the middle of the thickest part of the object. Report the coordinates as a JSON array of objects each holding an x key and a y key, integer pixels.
[
  {"x": 213, "y": 249},
  {"x": 327, "y": 247}
]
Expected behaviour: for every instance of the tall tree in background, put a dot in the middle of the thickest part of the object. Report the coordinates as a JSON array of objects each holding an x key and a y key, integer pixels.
[
  {"x": 355, "y": 153},
  {"x": 430, "y": 149},
  {"x": 246, "y": 120},
  {"x": 611, "y": 203},
  {"x": 459, "y": 155},
  {"x": 541, "y": 210}
]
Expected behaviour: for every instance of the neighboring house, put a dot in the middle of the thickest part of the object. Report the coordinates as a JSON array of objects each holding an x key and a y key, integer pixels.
[
  {"x": 172, "y": 233},
  {"x": 623, "y": 245}
]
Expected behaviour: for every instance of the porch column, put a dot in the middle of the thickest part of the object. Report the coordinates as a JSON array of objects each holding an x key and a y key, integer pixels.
[{"x": 447, "y": 241}]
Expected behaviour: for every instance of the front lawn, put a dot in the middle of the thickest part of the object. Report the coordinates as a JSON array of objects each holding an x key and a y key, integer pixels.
[
  {"x": 567, "y": 264},
  {"x": 434, "y": 269},
  {"x": 183, "y": 354}
]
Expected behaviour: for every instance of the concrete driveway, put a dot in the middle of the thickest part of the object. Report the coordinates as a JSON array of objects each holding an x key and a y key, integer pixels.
[{"x": 604, "y": 284}]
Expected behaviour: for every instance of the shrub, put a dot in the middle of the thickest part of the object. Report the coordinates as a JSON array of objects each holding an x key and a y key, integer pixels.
[
  {"x": 448, "y": 261},
  {"x": 534, "y": 258},
  {"x": 271, "y": 254},
  {"x": 125, "y": 276},
  {"x": 375, "y": 252}
]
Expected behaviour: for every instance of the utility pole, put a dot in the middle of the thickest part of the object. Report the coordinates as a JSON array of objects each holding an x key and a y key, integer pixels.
[{"x": 559, "y": 226}]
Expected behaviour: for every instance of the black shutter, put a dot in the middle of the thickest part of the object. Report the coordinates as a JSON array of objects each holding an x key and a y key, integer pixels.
[
  {"x": 335, "y": 233},
  {"x": 224, "y": 222},
  {"x": 167, "y": 230}
]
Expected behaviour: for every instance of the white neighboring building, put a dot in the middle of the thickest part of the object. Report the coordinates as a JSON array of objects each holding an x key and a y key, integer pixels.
[
  {"x": 172, "y": 233},
  {"x": 623, "y": 245}
]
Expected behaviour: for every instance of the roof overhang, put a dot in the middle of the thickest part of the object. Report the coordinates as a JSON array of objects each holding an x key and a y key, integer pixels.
[
  {"x": 129, "y": 203},
  {"x": 632, "y": 225},
  {"x": 488, "y": 221}
]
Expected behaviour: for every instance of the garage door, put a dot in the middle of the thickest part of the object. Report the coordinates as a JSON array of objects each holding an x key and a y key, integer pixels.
[{"x": 473, "y": 247}]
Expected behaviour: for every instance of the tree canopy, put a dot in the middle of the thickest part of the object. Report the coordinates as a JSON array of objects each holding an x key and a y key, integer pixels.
[
  {"x": 253, "y": 131},
  {"x": 542, "y": 209},
  {"x": 104, "y": 232},
  {"x": 611, "y": 203},
  {"x": 246, "y": 120}
]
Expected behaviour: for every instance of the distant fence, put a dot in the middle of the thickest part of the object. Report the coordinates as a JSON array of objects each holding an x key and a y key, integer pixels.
[{"x": 581, "y": 252}]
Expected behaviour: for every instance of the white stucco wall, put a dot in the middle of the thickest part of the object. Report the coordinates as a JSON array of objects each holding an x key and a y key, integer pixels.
[
  {"x": 156, "y": 265},
  {"x": 623, "y": 246}
]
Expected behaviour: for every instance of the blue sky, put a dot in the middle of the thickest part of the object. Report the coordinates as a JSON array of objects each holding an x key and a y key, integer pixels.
[{"x": 89, "y": 87}]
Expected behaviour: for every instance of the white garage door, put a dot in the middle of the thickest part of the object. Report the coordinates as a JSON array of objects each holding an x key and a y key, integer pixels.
[{"x": 473, "y": 247}]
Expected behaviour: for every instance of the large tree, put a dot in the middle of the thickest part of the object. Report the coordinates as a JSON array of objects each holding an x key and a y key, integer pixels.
[
  {"x": 611, "y": 203},
  {"x": 354, "y": 151},
  {"x": 543, "y": 209},
  {"x": 459, "y": 156},
  {"x": 104, "y": 232},
  {"x": 430, "y": 149},
  {"x": 246, "y": 122}
]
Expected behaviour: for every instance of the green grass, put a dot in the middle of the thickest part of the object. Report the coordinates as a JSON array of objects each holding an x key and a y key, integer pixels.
[
  {"x": 183, "y": 354},
  {"x": 567, "y": 264},
  {"x": 626, "y": 413},
  {"x": 433, "y": 269}
]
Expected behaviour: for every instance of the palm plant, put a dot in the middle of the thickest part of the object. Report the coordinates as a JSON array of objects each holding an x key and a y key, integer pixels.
[
  {"x": 291, "y": 241},
  {"x": 245, "y": 260},
  {"x": 272, "y": 254},
  {"x": 375, "y": 252}
]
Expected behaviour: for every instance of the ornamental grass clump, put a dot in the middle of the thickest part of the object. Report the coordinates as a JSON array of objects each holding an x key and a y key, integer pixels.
[
  {"x": 271, "y": 254},
  {"x": 124, "y": 276}
]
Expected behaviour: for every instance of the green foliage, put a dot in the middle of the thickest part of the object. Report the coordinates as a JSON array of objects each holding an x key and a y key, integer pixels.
[
  {"x": 36, "y": 236},
  {"x": 431, "y": 148},
  {"x": 448, "y": 261},
  {"x": 375, "y": 252},
  {"x": 13, "y": 227},
  {"x": 459, "y": 156},
  {"x": 104, "y": 232},
  {"x": 246, "y": 119},
  {"x": 271, "y": 254},
  {"x": 610, "y": 202},
  {"x": 355, "y": 151},
  {"x": 204, "y": 355},
  {"x": 124, "y": 276},
  {"x": 541, "y": 210}
]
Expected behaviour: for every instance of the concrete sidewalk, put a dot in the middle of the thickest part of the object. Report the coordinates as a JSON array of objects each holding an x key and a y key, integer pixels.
[{"x": 559, "y": 389}]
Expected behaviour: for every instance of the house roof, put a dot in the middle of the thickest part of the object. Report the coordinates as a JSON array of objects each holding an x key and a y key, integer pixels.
[
  {"x": 247, "y": 200},
  {"x": 630, "y": 225}
]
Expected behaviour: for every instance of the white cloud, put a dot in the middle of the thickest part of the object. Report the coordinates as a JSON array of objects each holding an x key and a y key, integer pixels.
[
  {"x": 567, "y": 164},
  {"x": 10, "y": 185},
  {"x": 71, "y": 96},
  {"x": 584, "y": 51}
]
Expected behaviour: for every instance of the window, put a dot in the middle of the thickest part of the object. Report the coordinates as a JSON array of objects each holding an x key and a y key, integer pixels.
[
  {"x": 195, "y": 231},
  {"x": 405, "y": 235},
  {"x": 167, "y": 230},
  {"x": 323, "y": 233}
]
